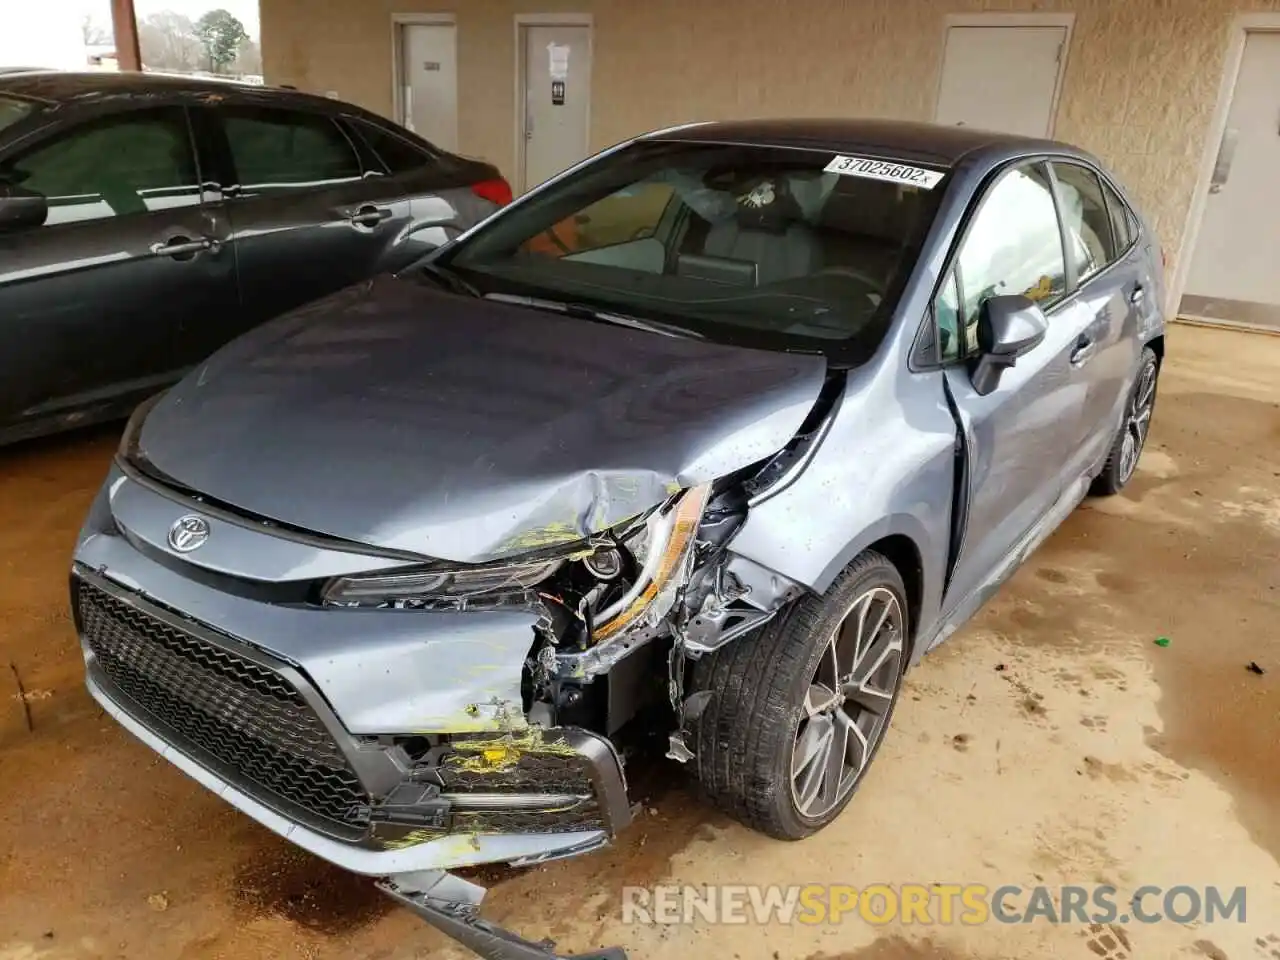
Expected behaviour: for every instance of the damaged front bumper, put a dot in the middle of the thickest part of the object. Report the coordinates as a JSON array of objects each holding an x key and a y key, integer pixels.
[
  {"x": 296, "y": 736},
  {"x": 240, "y": 721}
]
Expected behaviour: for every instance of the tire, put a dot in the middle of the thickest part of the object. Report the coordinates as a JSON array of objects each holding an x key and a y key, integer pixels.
[
  {"x": 1126, "y": 449},
  {"x": 765, "y": 687}
]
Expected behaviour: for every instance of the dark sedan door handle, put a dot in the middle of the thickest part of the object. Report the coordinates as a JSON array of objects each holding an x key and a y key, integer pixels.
[
  {"x": 369, "y": 216},
  {"x": 1084, "y": 350},
  {"x": 1138, "y": 295},
  {"x": 184, "y": 248}
]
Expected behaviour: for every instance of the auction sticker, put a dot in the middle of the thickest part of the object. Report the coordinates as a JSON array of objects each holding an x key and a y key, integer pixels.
[{"x": 884, "y": 170}]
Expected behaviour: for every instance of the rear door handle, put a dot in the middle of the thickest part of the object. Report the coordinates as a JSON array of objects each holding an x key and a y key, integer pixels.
[
  {"x": 1138, "y": 295},
  {"x": 1084, "y": 350},
  {"x": 184, "y": 248},
  {"x": 369, "y": 216}
]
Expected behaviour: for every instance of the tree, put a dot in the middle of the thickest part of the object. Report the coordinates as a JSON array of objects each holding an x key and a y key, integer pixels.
[
  {"x": 249, "y": 60},
  {"x": 94, "y": 33},
  {"x": 221, "y": 35},
  {"x": 168, "y": 41}
]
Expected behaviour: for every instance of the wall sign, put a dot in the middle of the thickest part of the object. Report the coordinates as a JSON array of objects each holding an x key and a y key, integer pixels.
[{"x": 557, "y": 93}]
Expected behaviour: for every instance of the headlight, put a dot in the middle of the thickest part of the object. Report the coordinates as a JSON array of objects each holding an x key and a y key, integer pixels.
[
  {"x": 657, "y": 544},
  {"x": 661, "y": 545},
  {"x": 457, "y": 587}
]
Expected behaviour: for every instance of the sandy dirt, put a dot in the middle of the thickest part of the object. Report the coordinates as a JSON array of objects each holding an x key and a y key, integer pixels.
[{"x": 1051, "y": 741}]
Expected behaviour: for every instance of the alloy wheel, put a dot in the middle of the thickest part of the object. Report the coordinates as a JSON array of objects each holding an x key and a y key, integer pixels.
[
  {"x": 1137, "y": 421},
  {"x": 847, "y": 705}
]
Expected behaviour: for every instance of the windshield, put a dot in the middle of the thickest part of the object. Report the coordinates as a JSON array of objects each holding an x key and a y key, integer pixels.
[
  {"x": 742, "y": 244},
  {"x": 11, "y": 111}
]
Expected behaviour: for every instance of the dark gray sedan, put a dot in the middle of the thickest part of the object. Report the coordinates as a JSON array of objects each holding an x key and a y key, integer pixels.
[
  {"x": 711, "y": 437},
  {"x": 145, "y": 221}
]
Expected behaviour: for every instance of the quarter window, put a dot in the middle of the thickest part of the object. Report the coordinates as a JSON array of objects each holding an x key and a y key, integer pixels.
[
  {"x": 397, "y": 154},
  {"x": 117, "y": 166},
  {"x": 946, "y": 311},
  {"x": 1088, "y": 224},
  {"x": 1012, "y": 247},
  {"x": 284, "y": 150}
]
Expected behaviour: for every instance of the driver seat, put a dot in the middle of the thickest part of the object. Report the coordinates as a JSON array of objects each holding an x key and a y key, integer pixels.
[{"x": 768, "y": 230}]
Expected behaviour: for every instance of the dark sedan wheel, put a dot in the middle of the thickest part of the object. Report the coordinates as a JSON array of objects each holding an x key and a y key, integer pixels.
[
  {"x": 798, "y": 710},
  {"x": 1122, "y": 460}
]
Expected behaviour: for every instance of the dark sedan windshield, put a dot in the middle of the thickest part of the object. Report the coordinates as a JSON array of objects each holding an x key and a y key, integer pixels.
[
  {"x": 11, "y": 111},
  {"x": 755, "y": 245}
]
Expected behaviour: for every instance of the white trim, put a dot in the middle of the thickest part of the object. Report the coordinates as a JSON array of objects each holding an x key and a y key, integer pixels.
[
  {"x": 520, "y": 22},
  {"x": 399, "y": 20},
  {"x": 1237, "y": 36},
  {"x": 1066, "y": 20}
]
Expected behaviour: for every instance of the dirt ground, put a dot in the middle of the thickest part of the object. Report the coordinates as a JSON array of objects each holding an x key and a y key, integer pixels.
[{"x": 1050, "y": 741}]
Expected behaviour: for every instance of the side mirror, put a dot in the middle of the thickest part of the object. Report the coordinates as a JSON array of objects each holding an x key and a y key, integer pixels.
[
  {"x": 21, "y": 208},
  {"x": 1008, "y": 328}
]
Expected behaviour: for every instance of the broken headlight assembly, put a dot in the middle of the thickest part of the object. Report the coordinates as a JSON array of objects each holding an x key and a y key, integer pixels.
[
  {"x": 593, "y": 590},
  {"x": 483, "y": 586}
]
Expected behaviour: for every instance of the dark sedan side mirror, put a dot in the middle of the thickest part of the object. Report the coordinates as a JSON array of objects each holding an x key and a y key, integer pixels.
[
  {"x": 1008, "y": 327},
  {"x": 21, "y": 208}
]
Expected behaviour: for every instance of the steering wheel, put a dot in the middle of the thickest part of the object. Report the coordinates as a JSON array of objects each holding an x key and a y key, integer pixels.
[
  {"x": 551, "y": 235},
  {"x": 854, "y": 274}
]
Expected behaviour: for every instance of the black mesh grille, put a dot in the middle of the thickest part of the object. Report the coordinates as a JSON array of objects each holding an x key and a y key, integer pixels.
[
  {"x": 532, "y": 773},
  {"x": 243, "y": 715}
]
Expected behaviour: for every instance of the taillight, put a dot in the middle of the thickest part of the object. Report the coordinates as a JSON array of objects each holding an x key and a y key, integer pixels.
[{"x": 495, "y": 191}]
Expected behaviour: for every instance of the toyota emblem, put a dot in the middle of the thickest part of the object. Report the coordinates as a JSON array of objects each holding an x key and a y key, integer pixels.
[{"x": 188, "y": 533}]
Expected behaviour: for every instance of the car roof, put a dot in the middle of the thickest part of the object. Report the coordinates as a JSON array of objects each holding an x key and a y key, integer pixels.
[
  {"x": 64, "y": 87},
  {"x": 897, "y": 139}
]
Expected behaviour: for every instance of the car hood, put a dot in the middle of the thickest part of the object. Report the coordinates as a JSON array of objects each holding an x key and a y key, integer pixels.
[{"x": 410, "y": 419}]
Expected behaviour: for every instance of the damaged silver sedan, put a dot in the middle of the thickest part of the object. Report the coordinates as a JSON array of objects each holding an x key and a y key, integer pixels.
[{"x": 710, "y": 437}]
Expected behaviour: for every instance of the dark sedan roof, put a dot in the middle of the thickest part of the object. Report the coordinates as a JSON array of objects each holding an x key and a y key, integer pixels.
[
  {"x": 923, "y": 142},
  {"x": 58, "y": 86}
]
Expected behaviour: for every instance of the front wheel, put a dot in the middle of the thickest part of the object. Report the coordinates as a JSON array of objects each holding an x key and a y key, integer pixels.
[
  {"x": 1122, "y": 460},
  {"x": 798, "y": 710}
]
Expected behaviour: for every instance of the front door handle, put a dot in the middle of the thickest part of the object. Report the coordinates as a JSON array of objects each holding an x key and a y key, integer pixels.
[
  {"x": 1084, "y": 350},
  {"x": 369, "y": 216},
  {"x": 1138, "y": 295},
  {"x": 184, "y": 248}
]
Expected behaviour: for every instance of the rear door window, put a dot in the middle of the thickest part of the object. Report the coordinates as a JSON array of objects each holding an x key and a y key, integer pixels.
[
  {"x": 118, "y": 166},
  {"x": 1121, "y": 217},
  {"x": 1091, "y": 242},
  {"x": 287, "y": 150}
]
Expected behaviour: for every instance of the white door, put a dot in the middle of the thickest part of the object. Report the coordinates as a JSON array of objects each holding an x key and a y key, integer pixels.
[
  {"x": 1233, "y": 273},
  {"x": 1001, "y": 78},
  {"x": 429, "y": 79},
  {"x": 557, "y": 89}
]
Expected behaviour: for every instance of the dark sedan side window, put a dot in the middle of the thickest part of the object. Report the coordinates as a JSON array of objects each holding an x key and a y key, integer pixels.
[
  {"x": 1012, "y": 246},
  {"x": 117, "y": 166},
  {"x": 397, "y": 154},
  {"x": 286, "y": 150}
]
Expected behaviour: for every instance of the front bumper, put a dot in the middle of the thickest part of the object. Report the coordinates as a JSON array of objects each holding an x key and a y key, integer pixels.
[
  {"x": 252, "y": 728},
  {"x": 311, "y": 721}
]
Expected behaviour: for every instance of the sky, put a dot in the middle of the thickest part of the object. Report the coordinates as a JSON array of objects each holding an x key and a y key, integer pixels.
[
  {"x": 47, "y": 33},
  {"x": 30, "y": 18}
]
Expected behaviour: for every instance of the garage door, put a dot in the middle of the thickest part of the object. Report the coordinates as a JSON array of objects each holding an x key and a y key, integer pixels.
[{"x": 1001, "y": 78}]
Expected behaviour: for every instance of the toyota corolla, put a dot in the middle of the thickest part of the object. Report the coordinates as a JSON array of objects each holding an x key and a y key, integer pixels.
[{"x": 712, "y": 436}]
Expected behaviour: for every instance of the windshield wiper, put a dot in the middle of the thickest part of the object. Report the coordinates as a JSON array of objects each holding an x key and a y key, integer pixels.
[
  {"x": 588, "y": 312},
  {"x": 449, "y": 279}
]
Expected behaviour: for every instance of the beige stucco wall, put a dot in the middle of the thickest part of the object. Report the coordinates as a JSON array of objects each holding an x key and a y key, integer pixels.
[{"x": 1141, "y": 82}]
